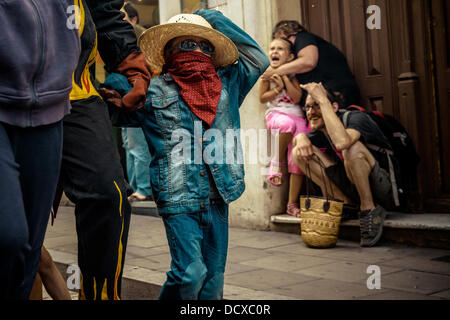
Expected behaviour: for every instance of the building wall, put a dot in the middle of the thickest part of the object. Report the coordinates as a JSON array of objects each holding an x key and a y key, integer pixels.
[
  {"x": 260, "y": 200},
  {"x": 147, "y": 14}
]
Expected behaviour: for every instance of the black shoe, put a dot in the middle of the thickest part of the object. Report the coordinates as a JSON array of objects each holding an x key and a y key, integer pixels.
[{"x": 371, "y": 222}]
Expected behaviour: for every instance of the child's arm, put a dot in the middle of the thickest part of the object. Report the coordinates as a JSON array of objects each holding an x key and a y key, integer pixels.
[
  {"x": 266, "y": 94},
  {"x": 293, "y": 88}
]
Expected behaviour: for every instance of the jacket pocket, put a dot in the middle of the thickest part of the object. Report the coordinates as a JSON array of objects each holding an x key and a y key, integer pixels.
[
  {"x": 159, "y": 181},
  {"x": 222, "y": 211},
  {"x": 167, "y": 111}
]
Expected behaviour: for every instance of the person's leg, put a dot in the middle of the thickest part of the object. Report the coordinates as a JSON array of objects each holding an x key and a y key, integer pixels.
[
  {"x": 280, "y": 158},
  {"x": 129, "y": 159},
  {"x": 286, "y": 127},
  {"x": 296, "y": 174},
  {"x": 51, "y": 277},
  {"x": 215, "y": 249},
  {"x": 38, "y": 153},
  {"x": 36, "y": 291},
  {"x": 138, "y": 148},
  {"x": 93, "y": 179},
  {"x": 187, "y": 270},
  {"x": 14, "y": 244},
  {"x": 284, "y": 141},
  {"x": 359, "y": 162},
  {"x": 296, "y": 182},
  {"x": 320, "y": 177}
]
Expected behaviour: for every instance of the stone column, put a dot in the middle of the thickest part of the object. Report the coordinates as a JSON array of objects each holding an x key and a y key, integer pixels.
[
  {"x": 168, "y": 9},
  {"x": 286, "y": 10},
  {"x": 260, "y": 200}
]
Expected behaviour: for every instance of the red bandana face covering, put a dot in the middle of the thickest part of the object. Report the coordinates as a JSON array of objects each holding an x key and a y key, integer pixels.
[{"x": 199, "y": 82}]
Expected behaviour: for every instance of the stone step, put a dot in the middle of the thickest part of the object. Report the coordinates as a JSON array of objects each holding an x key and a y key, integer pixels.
[{"x": 424, "y": 230}]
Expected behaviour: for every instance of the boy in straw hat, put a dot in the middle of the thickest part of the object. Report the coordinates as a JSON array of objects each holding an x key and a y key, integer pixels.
[{"x": 206, "y": 74}]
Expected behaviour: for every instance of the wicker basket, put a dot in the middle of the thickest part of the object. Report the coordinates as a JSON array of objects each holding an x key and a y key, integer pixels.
[{"x": 320, "y": 221}]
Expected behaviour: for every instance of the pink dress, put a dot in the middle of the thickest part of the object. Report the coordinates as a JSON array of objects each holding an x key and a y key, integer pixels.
[{"x": 285, "y": 116}]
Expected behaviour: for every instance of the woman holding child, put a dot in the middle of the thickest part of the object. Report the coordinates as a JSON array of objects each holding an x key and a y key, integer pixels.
[{"x": 299, "y": 57}]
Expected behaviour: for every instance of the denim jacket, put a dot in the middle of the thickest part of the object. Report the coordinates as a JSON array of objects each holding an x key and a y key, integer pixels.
[{"x": 174, "y": 133}]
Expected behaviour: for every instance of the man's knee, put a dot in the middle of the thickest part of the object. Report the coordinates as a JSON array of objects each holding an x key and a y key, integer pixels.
[
  {"x": 357, "y": 153},
  {"x": 326, "y": 161}
]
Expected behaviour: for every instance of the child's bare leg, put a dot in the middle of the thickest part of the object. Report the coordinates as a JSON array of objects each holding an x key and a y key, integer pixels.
[
  {"x": 284, "y": 140},
  {"x": 51, "y": 277},
  {"x": 296, "y": 182}
]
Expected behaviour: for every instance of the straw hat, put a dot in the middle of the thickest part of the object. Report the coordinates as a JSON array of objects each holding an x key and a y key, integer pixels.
[{"x": 153, "y": 41}]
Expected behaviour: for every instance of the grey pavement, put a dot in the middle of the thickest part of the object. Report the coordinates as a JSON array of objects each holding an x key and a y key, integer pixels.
[{"x": 278, "y": 266}]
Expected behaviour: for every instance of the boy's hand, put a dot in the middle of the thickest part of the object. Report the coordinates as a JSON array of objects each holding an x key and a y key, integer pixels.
[
  {"x": 134, "y": 67},
  {"x": 111, "y": 97}
]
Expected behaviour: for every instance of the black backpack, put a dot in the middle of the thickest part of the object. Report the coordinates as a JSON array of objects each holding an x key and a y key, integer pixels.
[{"x": 404, "y": 152}]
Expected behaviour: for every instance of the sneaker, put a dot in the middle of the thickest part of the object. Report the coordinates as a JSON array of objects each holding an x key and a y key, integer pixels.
[{"x": 371, "y": 222}]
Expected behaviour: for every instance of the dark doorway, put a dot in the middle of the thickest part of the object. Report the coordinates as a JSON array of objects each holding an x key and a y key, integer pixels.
[{"x": 403, "y": 69}]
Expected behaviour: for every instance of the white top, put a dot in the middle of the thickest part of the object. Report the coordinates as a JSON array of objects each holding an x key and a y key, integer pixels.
[{"x": 284, "y": 104}]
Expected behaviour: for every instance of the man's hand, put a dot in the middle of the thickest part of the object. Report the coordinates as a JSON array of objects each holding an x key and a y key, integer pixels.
[
  {"x": 134, "y": 67},
  {"x": 278, "y": 81},
  {"x": 270, "y": 72},
  {"x": 316, "y": 91},
  {"x": 303, "y": 148}
]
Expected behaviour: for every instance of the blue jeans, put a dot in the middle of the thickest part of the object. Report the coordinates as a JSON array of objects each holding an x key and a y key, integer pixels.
[
  {"x": 30, "y": 160},
  {"x": 138, "y": 160},
  {"x": 198, "y": 246}
]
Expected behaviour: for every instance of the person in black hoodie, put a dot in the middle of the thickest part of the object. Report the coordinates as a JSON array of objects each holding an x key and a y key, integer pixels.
[
  {"x": 317, "y": 60},
  {"x": 38, "y": 56},
  {"x": 42, "y": 62},
  {"x": 91, "y": 173}
]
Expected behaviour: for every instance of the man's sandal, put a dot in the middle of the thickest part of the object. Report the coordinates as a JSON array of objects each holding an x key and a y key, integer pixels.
[
  {"x": 293, "y": 210},
  {"x": 273, "y": 174}
]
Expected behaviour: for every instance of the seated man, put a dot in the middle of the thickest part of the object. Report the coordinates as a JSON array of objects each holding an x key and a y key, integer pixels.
[{"x": 356, "y": 174}]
